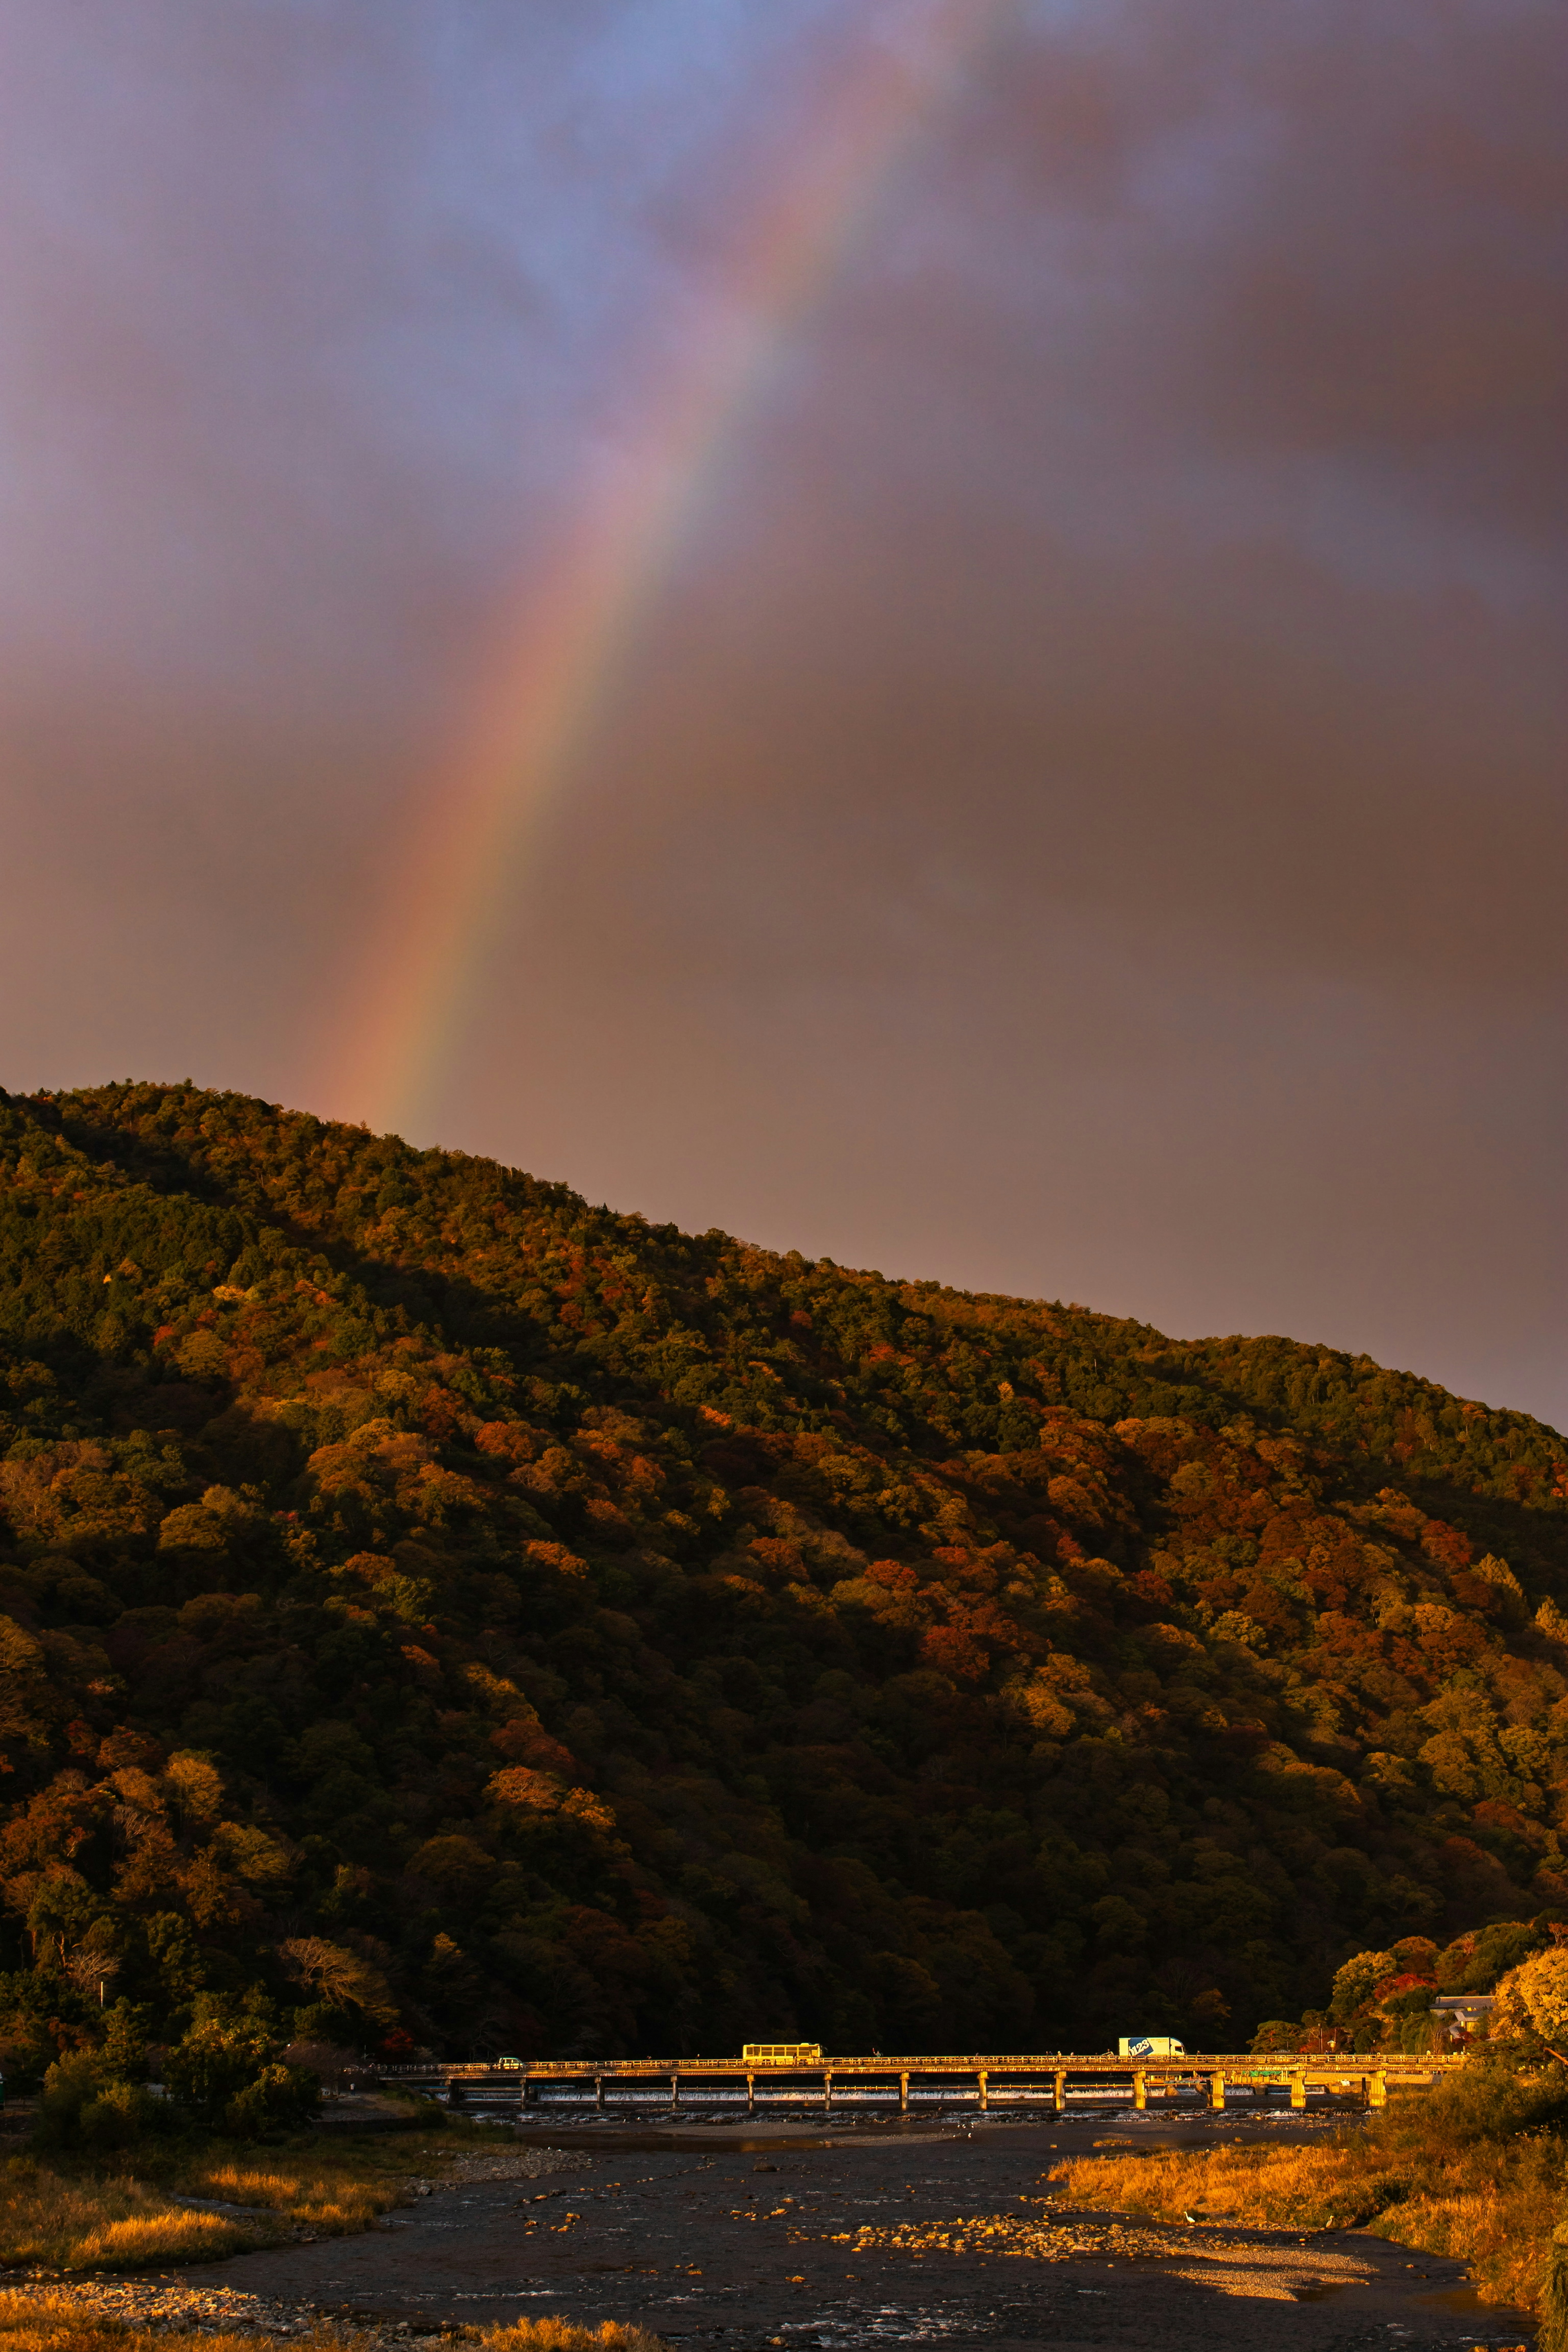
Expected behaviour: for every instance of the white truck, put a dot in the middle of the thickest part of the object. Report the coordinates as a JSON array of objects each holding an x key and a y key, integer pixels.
[{"x": 1149, "y": 2045}]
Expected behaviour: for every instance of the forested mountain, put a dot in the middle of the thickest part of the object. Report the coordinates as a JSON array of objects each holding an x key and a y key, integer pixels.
[{"x": 492, "y": 1622}]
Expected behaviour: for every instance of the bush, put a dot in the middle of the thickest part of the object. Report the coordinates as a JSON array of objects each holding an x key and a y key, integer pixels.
[
  {"x": 226, "y": 2073},
  {"x": 83, "y": 2106},
  {"x": 1485, "y": 2101},
  {"x": 278, "y": 2098},
  {"x": 332, "y": 2065},
  {"x": 1553, "y": 2335}
]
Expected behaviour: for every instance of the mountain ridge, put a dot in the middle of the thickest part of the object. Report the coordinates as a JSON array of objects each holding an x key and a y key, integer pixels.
[{"x": 610, "y": 1637}]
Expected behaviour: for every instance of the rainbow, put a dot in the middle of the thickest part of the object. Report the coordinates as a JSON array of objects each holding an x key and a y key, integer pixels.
[{"x": 530, "y": 723}]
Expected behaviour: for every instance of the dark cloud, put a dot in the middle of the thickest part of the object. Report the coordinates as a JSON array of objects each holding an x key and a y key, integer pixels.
[{"x": 1083, "y": 815}]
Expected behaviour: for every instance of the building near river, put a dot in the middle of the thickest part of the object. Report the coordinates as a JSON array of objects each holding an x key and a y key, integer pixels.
[{"x": 1462, "y": 2012}]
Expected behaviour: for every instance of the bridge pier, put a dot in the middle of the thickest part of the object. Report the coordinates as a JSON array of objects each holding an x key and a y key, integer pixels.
[
  {"x": 750, "y": 2095},
  {"x": 904, "y": 2094},
  {"x": 984, "y": 2082},
  {"x": 1216, "y": 2092},
  {"x": 1059, "y": 2094},
  {"x": 1139, "y": 2093},
  {"x": 598, "y": 2090}
]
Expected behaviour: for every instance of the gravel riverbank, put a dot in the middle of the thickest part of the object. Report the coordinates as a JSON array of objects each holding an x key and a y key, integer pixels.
[
  {"x": 952, "y": 2238},
  {"x": 949, "y": 2237},
  {"x": 192, "y": 2301}
]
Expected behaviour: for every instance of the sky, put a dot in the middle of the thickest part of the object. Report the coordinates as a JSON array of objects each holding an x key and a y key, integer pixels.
[{"x": 928, "y": 630}]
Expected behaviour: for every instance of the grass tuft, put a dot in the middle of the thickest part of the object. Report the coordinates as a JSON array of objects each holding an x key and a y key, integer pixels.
[{"x": 330, "y": 2204}]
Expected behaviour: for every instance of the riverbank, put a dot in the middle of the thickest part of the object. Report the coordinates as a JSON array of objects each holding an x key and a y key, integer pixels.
[
  {"x": 955, "y": 2236},
  {"x": 140, "y": 2318},
  {"x": 202, "y": 2199},
  {"x": 976, "y": 2232},
  {"x": 1477, "y": 2169}
]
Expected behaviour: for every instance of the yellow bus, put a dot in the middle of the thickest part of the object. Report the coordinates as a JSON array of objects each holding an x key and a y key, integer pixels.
[{"x": 782, "y": 2053}]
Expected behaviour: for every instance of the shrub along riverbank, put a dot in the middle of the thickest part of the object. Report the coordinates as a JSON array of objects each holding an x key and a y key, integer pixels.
[{"x": 1477, "y": 2169}]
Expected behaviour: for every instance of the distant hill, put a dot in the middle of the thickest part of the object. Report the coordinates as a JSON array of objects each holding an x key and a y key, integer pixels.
[{"x": 488, "y": 1622}]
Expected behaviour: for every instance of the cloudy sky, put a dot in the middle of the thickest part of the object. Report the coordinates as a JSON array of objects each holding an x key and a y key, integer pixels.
[{"x": 1064, "y": 785}]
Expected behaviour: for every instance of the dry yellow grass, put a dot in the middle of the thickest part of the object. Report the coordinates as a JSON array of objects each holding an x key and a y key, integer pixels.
[
  {"x": 329, "y": 2204},
  {"x": 120, "y": 2223},
  {"x": 1478, "y": 2172},
  {"x": 67, "y": 2215},
  {"x": 560, "y": 2336},
  {"x": 1313, "y": 2187},
  {"x": 59, "y": 2323}
]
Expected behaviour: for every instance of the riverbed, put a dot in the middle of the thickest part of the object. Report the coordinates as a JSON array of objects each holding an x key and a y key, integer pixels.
[{"x": 794, "y": 2236}]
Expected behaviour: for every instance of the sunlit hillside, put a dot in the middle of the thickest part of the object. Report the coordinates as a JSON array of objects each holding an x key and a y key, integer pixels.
[{"x": 486, "y": 1621}]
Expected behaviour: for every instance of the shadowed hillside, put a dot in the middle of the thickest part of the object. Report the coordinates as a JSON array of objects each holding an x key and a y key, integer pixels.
[{"x": 483, "y": 1621}]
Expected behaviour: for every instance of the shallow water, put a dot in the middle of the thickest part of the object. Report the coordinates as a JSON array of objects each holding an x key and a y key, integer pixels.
[{"x": 745, "y": 2236}]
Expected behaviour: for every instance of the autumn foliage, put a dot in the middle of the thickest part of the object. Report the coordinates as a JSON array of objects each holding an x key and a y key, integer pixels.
[{"x": 439, "y": 1614}]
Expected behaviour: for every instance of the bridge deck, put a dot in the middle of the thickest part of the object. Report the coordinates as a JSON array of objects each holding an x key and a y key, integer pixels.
[{"x": 978, "y": 2079}]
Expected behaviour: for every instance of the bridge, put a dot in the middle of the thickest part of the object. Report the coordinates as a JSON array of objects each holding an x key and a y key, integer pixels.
[{"x": 911, "y": 2085}]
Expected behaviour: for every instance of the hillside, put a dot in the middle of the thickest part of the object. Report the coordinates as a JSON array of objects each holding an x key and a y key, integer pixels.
[{"x": 486, "y": 1620}]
